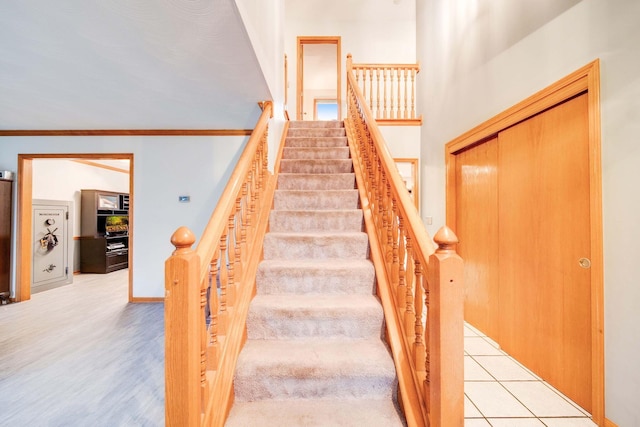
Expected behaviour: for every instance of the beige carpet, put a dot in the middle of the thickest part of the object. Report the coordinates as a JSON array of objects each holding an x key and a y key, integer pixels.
[{"x": 314, "y": 354}]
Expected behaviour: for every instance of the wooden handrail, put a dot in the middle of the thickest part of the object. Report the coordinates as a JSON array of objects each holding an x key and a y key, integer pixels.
[
  {"x": 420, "y": 287},
  {"x": 389, "y": 90},
  {"x": 208, "y": 290}
]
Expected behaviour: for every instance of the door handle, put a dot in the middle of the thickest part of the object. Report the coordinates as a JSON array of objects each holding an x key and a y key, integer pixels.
[{"x": 584, "y": 262}]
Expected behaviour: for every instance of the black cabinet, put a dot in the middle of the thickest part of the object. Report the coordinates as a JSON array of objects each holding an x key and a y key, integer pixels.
[
  {"x": 6, "y": 191},
  {"x": 104, "y": 241}
]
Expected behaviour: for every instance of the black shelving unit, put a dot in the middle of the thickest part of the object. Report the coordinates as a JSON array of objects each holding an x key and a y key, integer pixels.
[{"x": 104, "y": 244}]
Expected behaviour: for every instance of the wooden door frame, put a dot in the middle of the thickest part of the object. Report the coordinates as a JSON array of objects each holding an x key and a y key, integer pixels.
[
  {"x": 25, "y": 215},
  {"x": 302, "y": 40},
  {"x": 585, "y": 80}
]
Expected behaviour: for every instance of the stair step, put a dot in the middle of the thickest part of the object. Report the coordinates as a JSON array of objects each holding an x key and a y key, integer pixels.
[
  {"x": 315, "y": 153},
  {"x": 333, "y": 141},
  {"x": 330, "y": 276},
  {"x": 316, "y": 245},
  {"x": 311, "y": 199},
  {"x": 316, "y": 132},
  {"x": 315, "y": 413},
  {"x": 320, "y": 181},
  {"x": 316, "y": 316},
  {"x": 314, "y": 220},
  {"x": 316, "y": 165},
  {"x": 315, "y": 124},
  {"x": 322, "y": 369}
]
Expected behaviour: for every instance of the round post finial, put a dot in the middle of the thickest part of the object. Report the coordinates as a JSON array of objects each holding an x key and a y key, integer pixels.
[
  {"x": 182, "y": 239},
  {"x": 446, "y": 240}
]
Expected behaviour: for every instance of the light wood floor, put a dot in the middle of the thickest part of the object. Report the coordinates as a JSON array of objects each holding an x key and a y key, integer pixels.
[{"x": 81, "y": 355}]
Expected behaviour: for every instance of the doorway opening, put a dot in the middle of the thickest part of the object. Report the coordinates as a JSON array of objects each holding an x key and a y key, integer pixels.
[
  {"x": 27, "y": 179},
  {"x": 318, "y": 76}
]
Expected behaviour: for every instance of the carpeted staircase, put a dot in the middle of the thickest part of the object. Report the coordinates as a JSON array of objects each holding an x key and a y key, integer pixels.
[{"x": 314, "y": 354}]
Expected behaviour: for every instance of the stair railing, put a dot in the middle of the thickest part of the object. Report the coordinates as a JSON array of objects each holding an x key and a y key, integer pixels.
[
  {"x": 420, "y": 286},
  {"x": 389, "y": 91},
  {"x": 208, "y": 290}
]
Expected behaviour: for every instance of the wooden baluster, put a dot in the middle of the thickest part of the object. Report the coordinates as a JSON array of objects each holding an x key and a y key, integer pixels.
[
  {"x": 231, "y": 253},
  {"x": 409, "y": 315},
  {"x": 238, "y": 268},
  {"x": 395, "y": 236},
  {"x": 183, "y": 322},
  {"x": 385, "y": 111},
  {"x": 406, "y": 106},
  {"x": 378, "y": 113},
  {"x": 419, "y": 351},
  {"x": 390, "y": 225},
  {"x": 244, "y": 222},
  {"x": 401, "y": 291},
  {"x": 370, "y": 73},
  {"x": 204, "y": 350},
  {"x": 252, "y": 204},
  {"x": 213, "y": 350},
  {"x": 223, "y": 318},
  {"x": 391, "y": 92},
  {"x": 413, "y": 94},
  {"x": 397, "y": 99},
  {"x": 445, "y": 385}
]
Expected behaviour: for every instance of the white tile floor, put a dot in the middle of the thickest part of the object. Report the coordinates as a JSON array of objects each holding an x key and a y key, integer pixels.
[{"x": 500, "y": 392}]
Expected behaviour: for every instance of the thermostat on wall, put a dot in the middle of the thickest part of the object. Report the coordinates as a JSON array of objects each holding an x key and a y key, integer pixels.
[{"x": 184, "y": 199}]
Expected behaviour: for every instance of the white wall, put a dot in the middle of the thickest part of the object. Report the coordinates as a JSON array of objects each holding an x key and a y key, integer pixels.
[
  {"x": 163, "y": 168},
  {"x": 264, "y": 23},
  {"x": 60, "y": 179},
  {"x": 480, "y": 62}
]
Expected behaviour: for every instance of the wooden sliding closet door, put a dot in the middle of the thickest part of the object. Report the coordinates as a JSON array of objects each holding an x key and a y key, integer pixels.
[
  {"x": 544, "y": 246},
  {"x": 477, "y": 225}
]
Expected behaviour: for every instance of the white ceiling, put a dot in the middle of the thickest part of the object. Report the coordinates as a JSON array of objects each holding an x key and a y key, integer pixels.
[{"x": 127, "y": 64}]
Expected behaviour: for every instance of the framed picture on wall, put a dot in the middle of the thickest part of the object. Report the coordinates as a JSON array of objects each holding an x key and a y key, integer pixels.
[{"x": 408, "y": 168}]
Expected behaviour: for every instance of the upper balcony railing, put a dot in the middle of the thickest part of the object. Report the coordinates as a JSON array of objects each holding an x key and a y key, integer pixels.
[{"x": 389, "y": 91}]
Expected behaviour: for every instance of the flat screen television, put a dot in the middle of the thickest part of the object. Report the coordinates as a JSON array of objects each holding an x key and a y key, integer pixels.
[{"x": 116, "y": 224}]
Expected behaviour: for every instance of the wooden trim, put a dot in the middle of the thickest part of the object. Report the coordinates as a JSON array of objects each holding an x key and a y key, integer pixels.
[
  {"x": 100, "y": 165},
  {"x": 137, "y": 300},
  {"x": 127, "y": 132},
  {"x": 24, "y": 229},
  {"x": 25, "y": 226},
  {"x": 302, "y": 40},
  {"x": 586, "y": 79},
  {"x": 400, "y": 122},
  {"x": 608, "y": 423}
]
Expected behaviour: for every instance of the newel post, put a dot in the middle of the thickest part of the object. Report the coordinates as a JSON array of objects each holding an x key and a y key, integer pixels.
[
  {"x": 182, "y": 334},
  {"x": 446, "y": 340}
]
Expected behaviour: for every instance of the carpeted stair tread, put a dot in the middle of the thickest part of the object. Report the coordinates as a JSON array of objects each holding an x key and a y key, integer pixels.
[
  {"x": 315, "y": 413},
  {"x": 305, "y": 141},
  {"x": 315, "y": 199},
  {"x": 315, "y": 220},
  {"x": 315, "y": 153},
  {"x": 315, "y": 124},
  {"x": 318, "y": 181},
  {"x": 316, "y": 245},
  {"x": 316, "y": 276},
  {"x": 316, "y": 132},
  {"x": 277, "y": 369},
  {"x": 314, "y": 316},
  {"x": 316, "y": 165}
]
